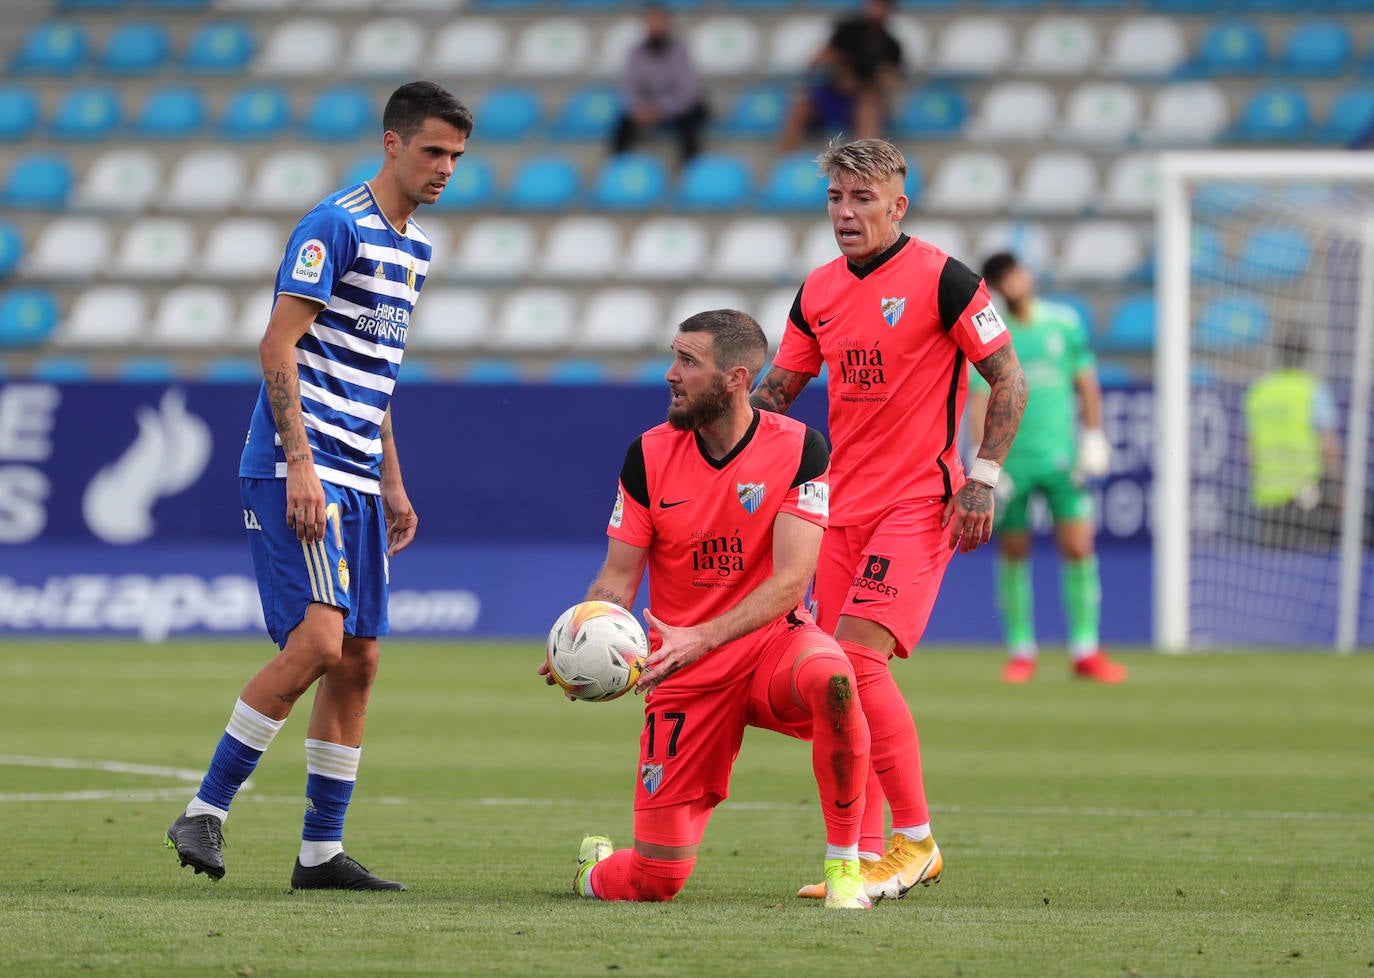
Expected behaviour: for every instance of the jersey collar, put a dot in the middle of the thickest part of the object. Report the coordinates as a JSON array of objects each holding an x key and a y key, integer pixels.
[
  {"x": 730, "y": 455},
  {"x": 880, "y": 261}
]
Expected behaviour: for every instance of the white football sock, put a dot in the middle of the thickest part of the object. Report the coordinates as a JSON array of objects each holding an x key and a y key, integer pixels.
[
  {"x": 916, "y": 833},
  {"x": 842, "y": 852},
  {"x": 319, "y": 853}
]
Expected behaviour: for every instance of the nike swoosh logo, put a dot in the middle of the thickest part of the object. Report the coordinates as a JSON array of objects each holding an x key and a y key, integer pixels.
[
  {"x": 664, "y": 504},
  {"x": 884, "y": 770},
  {"x": 858, "y": 600},
  {"x": 822, "y": 322},
  {"x": 846, "y": 804}
]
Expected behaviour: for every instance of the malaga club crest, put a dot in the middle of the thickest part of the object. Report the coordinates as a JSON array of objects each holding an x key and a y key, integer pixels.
[
  {"x": 750, "y": 495},
  {"x": 652, "y": 776},
  {"x": 893, "y": 309}
]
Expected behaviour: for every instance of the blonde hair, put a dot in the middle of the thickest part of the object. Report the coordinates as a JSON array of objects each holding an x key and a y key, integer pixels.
[{"x": 868, "y": 160}]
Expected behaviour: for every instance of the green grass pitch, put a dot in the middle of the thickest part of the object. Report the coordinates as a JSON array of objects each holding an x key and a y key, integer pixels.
[{"x": 1212, "y": 817}]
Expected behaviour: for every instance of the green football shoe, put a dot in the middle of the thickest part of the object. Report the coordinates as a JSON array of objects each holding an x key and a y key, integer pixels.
[{"x": 594, "y": 849}]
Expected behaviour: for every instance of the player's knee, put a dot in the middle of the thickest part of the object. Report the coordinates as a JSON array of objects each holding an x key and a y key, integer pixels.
[
  {"x": 663, "y": 880},
  {"x": 826, "y": 682},
  {"x": 359, "y": 661}
]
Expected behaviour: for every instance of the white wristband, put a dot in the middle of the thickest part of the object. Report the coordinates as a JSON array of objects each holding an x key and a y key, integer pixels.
[{"x": 984, "y": 470}]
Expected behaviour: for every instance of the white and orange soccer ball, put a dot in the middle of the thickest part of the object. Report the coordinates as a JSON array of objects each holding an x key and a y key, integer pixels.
[{"x": 596, "y": 651}]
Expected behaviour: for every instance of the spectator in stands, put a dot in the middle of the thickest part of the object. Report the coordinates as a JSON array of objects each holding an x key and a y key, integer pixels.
[
  {"x": 1295, "y": 453},
  {"x": 852, "y": 79},
  {"x": 661, "y": 89}
]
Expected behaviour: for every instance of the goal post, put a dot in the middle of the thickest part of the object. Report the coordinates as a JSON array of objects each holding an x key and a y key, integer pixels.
[{"x": 1265, "y": 278}]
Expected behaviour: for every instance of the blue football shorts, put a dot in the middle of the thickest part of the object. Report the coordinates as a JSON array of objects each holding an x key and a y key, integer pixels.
[{"x": 347, "y": 569}]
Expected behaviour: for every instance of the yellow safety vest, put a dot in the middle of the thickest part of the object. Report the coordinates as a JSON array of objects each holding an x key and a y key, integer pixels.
[{"x": 1285, "y": 449}]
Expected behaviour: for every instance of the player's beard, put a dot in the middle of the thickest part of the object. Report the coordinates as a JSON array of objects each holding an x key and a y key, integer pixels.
[{"x": 704, "y": 409}]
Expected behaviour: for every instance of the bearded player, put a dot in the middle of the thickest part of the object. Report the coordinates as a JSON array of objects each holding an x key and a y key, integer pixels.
[{"x": 895, "y": 320}]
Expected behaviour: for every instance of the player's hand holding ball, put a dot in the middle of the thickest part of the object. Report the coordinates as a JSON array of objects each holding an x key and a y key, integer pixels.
[{"x": 1094, "y": 455}]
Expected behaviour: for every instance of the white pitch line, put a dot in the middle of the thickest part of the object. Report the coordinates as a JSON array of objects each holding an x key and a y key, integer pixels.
[{"x": 110, "y": 767}]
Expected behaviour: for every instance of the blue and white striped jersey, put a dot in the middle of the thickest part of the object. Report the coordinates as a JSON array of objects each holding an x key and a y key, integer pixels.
[{"x": 345, "y": 255}]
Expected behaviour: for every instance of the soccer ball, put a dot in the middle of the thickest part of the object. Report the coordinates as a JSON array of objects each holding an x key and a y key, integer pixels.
[{"x": 596, "y": 650}]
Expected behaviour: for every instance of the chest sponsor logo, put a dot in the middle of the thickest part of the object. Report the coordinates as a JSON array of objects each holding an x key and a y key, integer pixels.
[
  {"x": 750, "y": 495},
  {"x": 309, "y": 264},
  {"x": 717, "y": 558},
  {"x": 862, "y": 366},
  {"x": 893, "y": 309},
  {"x": 988, "y": 324}
]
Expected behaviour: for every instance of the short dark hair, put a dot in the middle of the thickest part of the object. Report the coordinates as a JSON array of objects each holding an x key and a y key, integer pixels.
[
  {"x": 997, "y": 266},
  {"x": 736, "y": 336},
  {"x": 1291, "y": 349},
  {"x": 414, "y": 102}
]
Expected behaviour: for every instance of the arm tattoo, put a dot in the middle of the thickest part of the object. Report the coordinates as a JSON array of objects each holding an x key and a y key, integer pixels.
[
  {"x": 385, "y": 433},
  {"x": 283, "y": 394},
  {"x": 599, "y": 592},
  {"x": 1006, "y": 401},
  {"x": 778, "y": 389}
]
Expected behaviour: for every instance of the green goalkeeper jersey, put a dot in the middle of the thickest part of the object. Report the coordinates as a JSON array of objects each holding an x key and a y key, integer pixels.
[{"x": 1052, "y": 345}]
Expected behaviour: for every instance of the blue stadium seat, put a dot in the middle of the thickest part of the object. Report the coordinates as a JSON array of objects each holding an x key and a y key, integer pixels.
[
  {"x": 1351, "y": 119},
  {"x": 651, "y": 372},
  {"x": 757, "y": 110},
  {"x": 221, "y": 47},
  {"x": 472, "y": 186},
  {"x": 1132, "y": 326},
  {"x": 1277, "y": 113},
  {"x": 147, "y": 370},
  {"x": 508, "y": 113},
  {"x": 27, "y": 316},
  {"x": 577, "y": 372},
  {"x": 38, "y": 180},
  {"x": 91, "y": 5},
  {"x": 543, "y": 183},
  {"x": 630, "y": 182},
  {"x": 793, "y": 184},
  {"x": 1319, "y": 49},
  {"x": 1224, "y": 199},
  {"x": 1232, "y": 322},
  {"x": 1207, "y": 256},
  {"x": 11, "y": 248},
  {"x": 934, "y": 112},
  {"x": 135, "y": 48},
  {"x": 232, "y": 370},
  {"x": 587, "y": 113},
  {"x": 365, "y": 168},
  {"x": 1078, "y": 303},
  {"x": 1275, "y": 255},
  {"x": 54, "y": 48},
  {"x": 257, "y": 112},
  {"x": 171, "y": 112},
  {"x": 61, "y": 370},
  {"x": 341, "y": 113},
  {"x": 1113, "y": 374},
  {"x": 18, "y": 112},
  {"x": 87, "y": 113},
  {"x": 1182, "y": 6},
  {"x": 492, "y": 371},
  {"x": 714, "y": 181},
  {"x": 1235, "y": 47}
]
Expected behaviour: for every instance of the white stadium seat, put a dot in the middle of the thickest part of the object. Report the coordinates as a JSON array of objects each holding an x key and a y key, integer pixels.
[
  {"x": 772, "y": 310},
  {"x": 535, "y": 320},
  {"x": 158, "y": 248},
  {"x": 974, "y": 47},
  {"x": 1060, "y": 46},
  {"x": 1101, "y": 251},
  {"x": 700, "y": 298},
  {"x": 1105, "y": 113},
  {"x": 493, "y": 248},
  {"x": 112, "y": 315},
  {"x": 255, "y": 308},
  {"x": 1028, "y": 240},
  {"x": 1132, "y": 184},
  {"x": 1014, "y": 111},
  {"x": 971, "y": 182},
  {"x": 817, "y": 247},
  {"x": 243, "y": 248},
  {"x": 754, "y": 249},
  {"x": 582, "y": 247},
  {"x": 386, "y": 47},
  {"x": 949, "y": 236},
  {"x": 121, "y": 179},
  {"x": 304, "y": 47},
  {"x": 912, "y": 35},
  {"x": 667, "y": 248},
  {"x": 70, "y": 249},
  {"x": 1188, "y": 114},
  {"x": 193, "y": 316},
  {"x": 476, "y": 47},
  {"x": 451, "y": 319},
  {"x": 624, "y": 319},
  {"x": 206, "y": 180},
  {"x": 293, "y": 181},
  {"x": 1058, "y": 183},
  {"x": 613, "y": 52},
  {"x": 725, "y": 46},
  {"x": 794, "y": 43},
  {"x": 1144, "y": 47},
  {"x": 555, "y": 47}
]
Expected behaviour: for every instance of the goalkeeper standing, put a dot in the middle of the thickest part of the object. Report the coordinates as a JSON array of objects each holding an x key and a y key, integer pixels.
[{"x": 1052, "y": 343}]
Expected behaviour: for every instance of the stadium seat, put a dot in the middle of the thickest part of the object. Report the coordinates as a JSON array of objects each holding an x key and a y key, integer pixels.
[
  {"x": 581, "y": 248},
  {"x": 1061, "y": 46},
  {"x": 1188, "y": 113},
  {"x": 27, "y": 316},
  {"x": 472, "y": 186},
  {"x": 1132, "y": 184},
  {"x": 135, "y": 48},
  {"x": 1144, "y": 47},
  {"x": 256, "y": 112},
  {"x": 624, "y": 320},
  {"x": 231, "y": 370},
  {"x": 756, "y": 111},
  {"x": 934, "y": 111},
  {"x": 210, "y": 180},
  {"x": 509, "y": 112},
  {"x": 222, "y": 47},
  {"x": 613, "y": 49},
  {"x": 1236, "y": 47},
  {"x": 630, "y": 182},
  {"x": 1349, "y": 118},
  {"x": 113, "y": 316},
  {"x": 18, "y": 112},
  {"x": 1317, "y": 49},
  {"x": 301, "y": 48},
  {"x": 1057, "y": 183},
  {"x": 1275, "y": 255},
  {"x": 1105, "y": 113},
  {"x": 146, "y": 370},
  {"x": 52, "y": 48},
  {"x": 11, "y": 249},
  {"x": 693, "y": 300},
  {"x": 171, "y": 112},
  {"x": 553, "y": 47},
  {"x": 576, "y": 370},
  {"x": 494, "y": 249},
  {"x": 910, "y": 32},
  {"x": 1274, "y": 114},
  {"x": 1076, "y": 301},
  {"x": 1029, "y": 241},
  {"x": 121, "y": 180},
  {"x": 87, "y": 113},
  {"x": 589, "y": 112},
  {"x": 794, "y": 42},
  {"x": 724, "y": 46},
  {"x": 341, "y": 114},
  {"x": 242, "y": 248},
  {"x": 671, "y": 249},
  {"x": 385, "y": 48},
  {"x": 949, "y": 236},
  {"x": 451, "y": 319},
  {"x": 771, "y": 311},
  {"x": 70, "y": 249},
  {"x": 1232, "y": 322},
  {"x": 1131, "y": 328},
  {"x": 815, "y": 248},
  {"x": 192, "y": 317},
  {"x": 60, "y": 370},
  {"x": 255, "y": 310},
  {"x": 753, "y": 249},
  {"x": 1207, "y": 257},
  {"x": 1013, "y": 111},
  {"x": 361, "y": 169},
  {"x": 475, "y": 47},
  {"x": 1101, "y": 251},
  {"x": 492, "y": 370},
  {"x": 156, "y": 248},
  {"x": 543, "y": 183},
  {"x": 969, "y": 182},
  {"x": 714, "y": 182},
  {"x": 974, "y": 47},
  {"x": 535, "y": 320},
  {"x": 292, "y": 181},
  {"x": 38, "y": 180},
  {"x": 793, "y": 184}
]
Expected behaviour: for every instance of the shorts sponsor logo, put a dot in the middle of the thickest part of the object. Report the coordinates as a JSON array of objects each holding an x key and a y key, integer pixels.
[
  {"x": 250, "y": 520},
  {"x": 874, "y": 578},
  {"x": 875, "y": 568},
  {"x": 814, "y": 498},
  {"x": 750, "y": 495},
  {"x": 988, "y": 324},
  {"x": 893, "y": 309},
  {"x": 652, "y": 776},
  {"x": 309, "y": 262}
]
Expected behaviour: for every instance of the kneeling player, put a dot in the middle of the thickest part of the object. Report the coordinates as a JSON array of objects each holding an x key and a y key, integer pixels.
[{"x": 725, "y": 506}]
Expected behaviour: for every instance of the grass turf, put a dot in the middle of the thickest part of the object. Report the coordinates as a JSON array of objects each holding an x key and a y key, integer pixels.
[{"x": 1212, "y": 817}]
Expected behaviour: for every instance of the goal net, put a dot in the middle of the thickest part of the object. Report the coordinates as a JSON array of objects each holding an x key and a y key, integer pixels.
[{"x": 1262, "y": 518}]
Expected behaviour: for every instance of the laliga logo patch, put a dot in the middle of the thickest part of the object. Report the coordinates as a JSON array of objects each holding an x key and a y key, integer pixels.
[
  {"x": 750, "y": 495},
  {"x": 309, "y": 262},
  {"x": 893, "y": 309},
  {"x": 618, "y": 513},
  {"x": 652, "y": 776}
]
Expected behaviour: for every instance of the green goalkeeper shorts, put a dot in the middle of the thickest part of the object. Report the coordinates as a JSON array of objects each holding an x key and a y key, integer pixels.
[{"x": 1067, "y": 500}]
